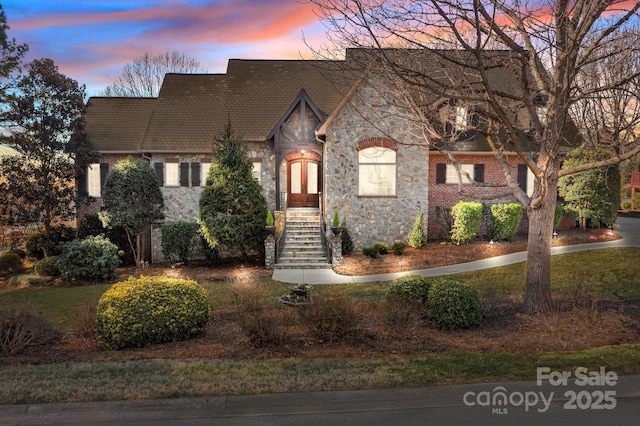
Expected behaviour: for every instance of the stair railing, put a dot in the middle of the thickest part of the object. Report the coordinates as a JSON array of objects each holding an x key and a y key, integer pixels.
[
  {"x": 324, "y": 236},
  {"x": 283, "y": 235}
]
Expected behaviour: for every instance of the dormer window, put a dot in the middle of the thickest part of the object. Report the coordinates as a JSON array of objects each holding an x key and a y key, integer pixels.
[
  {"x": 461, "y": 119},
  {"x": 540, "y": 102}
]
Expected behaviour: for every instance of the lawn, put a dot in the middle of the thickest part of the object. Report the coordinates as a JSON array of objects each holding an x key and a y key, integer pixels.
[{"x": 163, "y": 371}]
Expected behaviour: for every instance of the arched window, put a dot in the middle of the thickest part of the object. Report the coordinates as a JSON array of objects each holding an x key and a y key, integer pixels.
[{"x": 377, "y": 171}]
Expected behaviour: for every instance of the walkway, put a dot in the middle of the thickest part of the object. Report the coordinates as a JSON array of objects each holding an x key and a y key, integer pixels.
[{"x": 629, "y": 230}]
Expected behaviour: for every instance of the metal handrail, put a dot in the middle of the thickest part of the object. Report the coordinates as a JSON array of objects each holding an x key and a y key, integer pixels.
[
  {"x": 282, "y": 238},
  {"x": 324, "y": 236}
]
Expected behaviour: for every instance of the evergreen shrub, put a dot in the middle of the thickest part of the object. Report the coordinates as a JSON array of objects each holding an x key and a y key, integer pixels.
[
  {"x": 94, "y": 259},
  {"x": 467, "y": 217},
  {"x": 453, "y": 305},
  {"x": 147, "y": 310},
  {"x": 505, "y": 219},
  {"x": 410, "y": 286}
]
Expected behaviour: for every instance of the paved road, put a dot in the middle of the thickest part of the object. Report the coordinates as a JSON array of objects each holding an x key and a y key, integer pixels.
[
  {"x": 601, "y": 403},
  {"x": 629, "y": 229},
  {"x": 526, "y": 404}
]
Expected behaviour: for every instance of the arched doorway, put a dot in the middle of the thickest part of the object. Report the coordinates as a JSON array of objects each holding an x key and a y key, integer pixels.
[{"x": 304, "y": 181}]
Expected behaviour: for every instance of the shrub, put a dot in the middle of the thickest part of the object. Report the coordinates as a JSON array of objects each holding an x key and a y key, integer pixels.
[
  {"x": 36, "y": 241},
  {"x": 401, "y": 314},
  {"x": 19, "y": 252},
  {"x": 635, "y": 200},
  {"x": 28, "y": 280},
  {"x": 91, "y": 225},
  {"x": 347, "y": 242},
  {"x": 178, "y": 243},
  {"x": 48, "y": 267},
  {"x": 20, "y": 327},
  {"x": 398, "y": 248},
  {"x": 94, "y": 258},
  {"x": 467, "y": 221},
  {"x": 453, "y": 305},
  {"x": 84, "y": 319},
  {"x": 10, "y": 263},
  {"x": 332, "y": 316},
  {"x": 505, "y": 219},
  {"x": 336, "y": 219},
  {"x": 270, "y": 221},
  {"x": 444, "y": 221},
  {"x": 371, "y": 252},
  {"x": 411, "y": 287},
  {"x": 626, "y": 205},
  {"x": 148, "y": 310},
  {"x": 417, "y": 238},
  {"x": 263, "y": 325},
  {"x": 382, "y": 248}
]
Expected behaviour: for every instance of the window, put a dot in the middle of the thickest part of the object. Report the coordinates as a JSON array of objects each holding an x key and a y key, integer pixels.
[
  {"x": 94, "y": 184},
  {"x": 377, "y": 171},
  {"x": 452, "y": 173},
  {"x": 172, "y": 174},
  {"x": 256, "y": 171},
  {"x": 204, "y": 173},
  {"x": 461, "y": 118},
  {"x": 541, "y": 110},
  {"x": 447, "y": 173}
]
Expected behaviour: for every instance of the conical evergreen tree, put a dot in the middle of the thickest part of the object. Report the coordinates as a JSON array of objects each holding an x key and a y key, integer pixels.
[
  {"x": 232, "y": 205},
  {"x": 417, "y": 238}
]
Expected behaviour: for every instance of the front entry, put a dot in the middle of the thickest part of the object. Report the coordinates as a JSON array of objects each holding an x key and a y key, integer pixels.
[{"x": 303, "y": 182}]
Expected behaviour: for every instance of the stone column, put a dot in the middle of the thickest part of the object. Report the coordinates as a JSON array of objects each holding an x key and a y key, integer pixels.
[
  {"x": 336, "y": 245},
  {"x": 269, "y": 252}
]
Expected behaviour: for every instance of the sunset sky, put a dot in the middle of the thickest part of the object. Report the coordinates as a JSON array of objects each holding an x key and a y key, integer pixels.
[{"x": 90, "y": 40}]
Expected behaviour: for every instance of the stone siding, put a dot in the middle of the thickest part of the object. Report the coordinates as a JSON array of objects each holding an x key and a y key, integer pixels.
[{"x": 376, "y": 219}]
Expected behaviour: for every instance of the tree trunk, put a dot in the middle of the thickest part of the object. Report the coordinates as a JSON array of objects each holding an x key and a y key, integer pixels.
[
  {"x": 537, "y": 292},
  {"x": 138, "y": 252}
]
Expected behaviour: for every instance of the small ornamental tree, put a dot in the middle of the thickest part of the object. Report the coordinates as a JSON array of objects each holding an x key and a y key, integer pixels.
[
  {"x": 594, "y": 194},
  {"x": 232, "y": 205},
  {"x": 132, "y": 199},
  {"x": 417, "y": 239}
]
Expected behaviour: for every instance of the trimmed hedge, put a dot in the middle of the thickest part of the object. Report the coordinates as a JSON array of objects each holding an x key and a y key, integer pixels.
[
  {"x": 147, "y": 310},
  {"x": 505, "y": 219},
  {"x": 417, "y": 238},
  {"x": 410, "y": 286},
  {"x": 453, "y": 305},
  {"x": 467, "y": 217}
]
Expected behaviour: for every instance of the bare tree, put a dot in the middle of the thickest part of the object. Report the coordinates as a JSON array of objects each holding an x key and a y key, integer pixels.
[
  {"x": 143, "y": 77},
  {"x": 517, "y": 64}
]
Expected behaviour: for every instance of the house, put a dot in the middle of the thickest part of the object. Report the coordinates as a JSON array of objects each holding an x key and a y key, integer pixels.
[{"x": 322, "y": 135}]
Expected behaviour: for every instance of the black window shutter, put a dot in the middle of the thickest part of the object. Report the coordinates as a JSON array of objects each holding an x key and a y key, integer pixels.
[
  {"x": 441, "y": 173},
  {"x": 159, "y": 168},
  {"x": 195, "y": 174},
  {"x": 478, "y": 172},
  {"x": 522, "y": 177},
  {"x": 104, "y": 170},
  {"x": 82, "y": 183},
  {"x": 184, "y": 174}
]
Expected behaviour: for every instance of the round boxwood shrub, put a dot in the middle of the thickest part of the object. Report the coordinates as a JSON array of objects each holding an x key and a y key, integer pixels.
[
  {"x": 453, "y": 305},
  {"x": 94, "y": 259},
  {"x": 48, "y": 267},
  {"x": 10, "y": 263},
  {"x": 410, "y": 286},
  {"x": 148, "y": 310}
]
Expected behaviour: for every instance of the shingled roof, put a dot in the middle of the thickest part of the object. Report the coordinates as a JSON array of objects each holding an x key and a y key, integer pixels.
[
  {"x": 192, "y": 108},
  {"x": 117, "y": 124}
]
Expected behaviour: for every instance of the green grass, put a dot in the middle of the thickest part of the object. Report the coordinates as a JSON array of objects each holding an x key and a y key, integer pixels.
[{"x": 152, "y": 379}]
